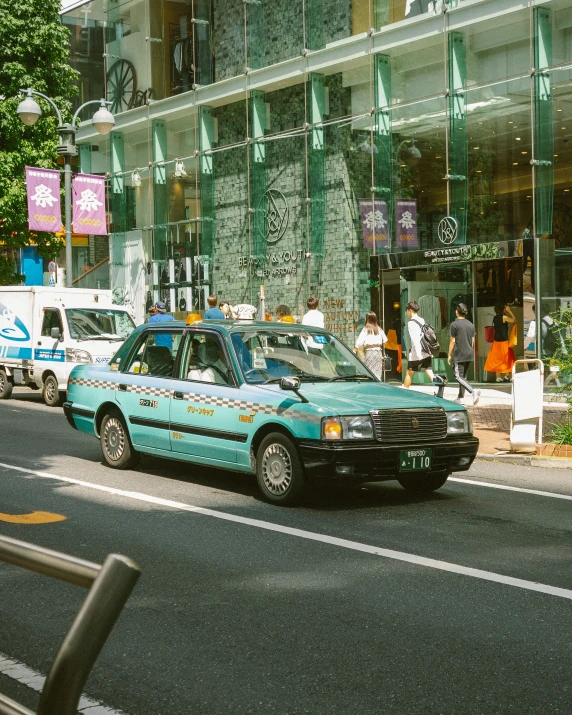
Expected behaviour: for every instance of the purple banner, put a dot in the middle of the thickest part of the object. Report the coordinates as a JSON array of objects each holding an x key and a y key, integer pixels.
[
  {"x": 88, "y": 191},
  {"x": 374, "y": 219},
  {"x": 406, "y": 223},
  {"x": 43, "y": 189}
]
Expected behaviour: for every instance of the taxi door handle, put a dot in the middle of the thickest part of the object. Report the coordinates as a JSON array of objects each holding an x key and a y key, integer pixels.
[
  {"x": 123, "y": 388},
  {"x": 178, "y": 396}
]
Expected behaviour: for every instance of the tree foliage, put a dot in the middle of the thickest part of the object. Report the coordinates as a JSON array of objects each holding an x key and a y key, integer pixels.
[{"x": 34, "y": 52}]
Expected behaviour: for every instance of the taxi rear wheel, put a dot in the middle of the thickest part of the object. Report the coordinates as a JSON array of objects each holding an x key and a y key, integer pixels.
[
  {"x": 423, "y": 483},
  {"x": 279, "y": 470},
  {"x": 115, "y": 443}
]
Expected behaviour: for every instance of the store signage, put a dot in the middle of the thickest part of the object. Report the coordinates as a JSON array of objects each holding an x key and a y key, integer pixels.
[
  {"x": 447, "y": 230},
  {"x": 274, "y": 213},
  {"x": 43, "y": 190},
  {"x": 464, "y": 253},
  {"x": 374, "y": 219},
  {"x": 88, "y": 191},
  {"x": 406, "y": 223},
  {"x": 281, "y": 263}
]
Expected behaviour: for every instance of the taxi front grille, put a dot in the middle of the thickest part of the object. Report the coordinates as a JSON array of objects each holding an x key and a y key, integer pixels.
[{"x": 409, "y": 426}]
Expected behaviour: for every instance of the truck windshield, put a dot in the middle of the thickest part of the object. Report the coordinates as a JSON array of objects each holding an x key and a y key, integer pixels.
[
  {"x": 267, "y": 356},
  {"x": 98, "y": 324}
]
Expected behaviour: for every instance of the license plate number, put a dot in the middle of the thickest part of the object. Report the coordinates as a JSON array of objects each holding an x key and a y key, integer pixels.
[{"x": 414, "y": 460}]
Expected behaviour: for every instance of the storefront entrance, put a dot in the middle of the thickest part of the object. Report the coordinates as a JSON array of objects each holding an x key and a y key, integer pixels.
[{"x": 480, "y": 285}]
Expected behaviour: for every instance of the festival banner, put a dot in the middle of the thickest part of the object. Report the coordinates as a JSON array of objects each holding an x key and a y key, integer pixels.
[
  {"x": 43, "y": 190},
  {"x": 374, "y": 219},
  {"x": 406, "y": 223},
  {"x": 88, "y": 191}
]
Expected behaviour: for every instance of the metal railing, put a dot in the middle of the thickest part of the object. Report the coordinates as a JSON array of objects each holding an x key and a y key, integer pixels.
[{"x": 109, "y": 587}]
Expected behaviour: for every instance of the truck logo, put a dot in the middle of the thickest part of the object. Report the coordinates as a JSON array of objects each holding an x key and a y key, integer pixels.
[{"x": 11, "y": 327}]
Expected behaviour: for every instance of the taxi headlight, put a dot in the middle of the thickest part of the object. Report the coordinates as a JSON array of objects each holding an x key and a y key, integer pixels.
[
  {"x": 458, "y": 423},
  {"x": 81, "y": 356},
  {"x": 359, "y": 427}
]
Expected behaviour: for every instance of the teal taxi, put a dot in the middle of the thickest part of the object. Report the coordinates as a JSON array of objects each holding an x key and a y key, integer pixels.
[{"x": 289, "y": 403}]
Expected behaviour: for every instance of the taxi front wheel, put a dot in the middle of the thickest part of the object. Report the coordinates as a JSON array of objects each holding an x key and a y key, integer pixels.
[
  {"x": 423, "y": 483},
  {"x": 279, "y": 470},
  {"x": 115, "y": 443}
]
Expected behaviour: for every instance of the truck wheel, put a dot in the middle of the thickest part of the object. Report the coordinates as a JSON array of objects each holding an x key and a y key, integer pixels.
[
  {"x": 423, "y": 483},
  {"x": 116, "y": 444},
  {"x": 5, "y": 385},
  {"x": 279, "y": 470},
  {"x": 51, "y": 394}
]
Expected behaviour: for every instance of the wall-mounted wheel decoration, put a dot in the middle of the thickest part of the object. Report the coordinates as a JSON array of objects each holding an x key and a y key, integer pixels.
[{"x": 121, "y": 86}]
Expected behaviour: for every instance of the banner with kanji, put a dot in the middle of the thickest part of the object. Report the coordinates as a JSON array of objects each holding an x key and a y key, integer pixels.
[
  {"x": 43, "y": 190},
  {"x": 88, "y": 201},
  {"x": 374, "y": 219},
  {"x": 406, "y": 223}
]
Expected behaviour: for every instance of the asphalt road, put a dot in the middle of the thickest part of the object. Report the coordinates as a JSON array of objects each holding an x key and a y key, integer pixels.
[{"x": 247, "y": 608}]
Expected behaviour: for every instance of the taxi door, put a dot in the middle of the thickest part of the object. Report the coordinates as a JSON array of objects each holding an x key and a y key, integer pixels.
[
  {"x": 206, "y": 401},
  {"x": 144, "y": 389}
]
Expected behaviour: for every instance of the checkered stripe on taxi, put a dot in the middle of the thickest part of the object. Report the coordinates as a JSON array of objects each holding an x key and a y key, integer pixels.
[
  {"x": 252, "y": 406},
  {"x": 86, "y": 382},
  {"x": 149, "y": 391}
]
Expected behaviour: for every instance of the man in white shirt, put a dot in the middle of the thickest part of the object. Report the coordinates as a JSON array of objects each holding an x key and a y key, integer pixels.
[
  {"x": 314, "y": 316},
  {"x": 418, "y": 360}
]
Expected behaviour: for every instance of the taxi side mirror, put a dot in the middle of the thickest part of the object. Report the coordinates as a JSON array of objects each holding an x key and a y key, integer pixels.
[{"x": 290, "y": 383}]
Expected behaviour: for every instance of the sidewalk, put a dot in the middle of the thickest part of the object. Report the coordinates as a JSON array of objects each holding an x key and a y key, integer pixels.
[{"x": 491, "y": 417}]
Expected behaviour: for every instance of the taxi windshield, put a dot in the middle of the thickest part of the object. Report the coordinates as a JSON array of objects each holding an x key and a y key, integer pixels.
[
  {"x": 98, "y": 324},
  {"x": 268, "y": 356}
]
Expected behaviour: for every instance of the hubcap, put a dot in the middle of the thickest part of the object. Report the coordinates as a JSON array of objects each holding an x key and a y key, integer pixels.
[
  {"x": 51, "y": 388},
  {"x": 276, "y": 469},
  {"x": 2, "y": 383},
  {"x": 114, "y": 439}
]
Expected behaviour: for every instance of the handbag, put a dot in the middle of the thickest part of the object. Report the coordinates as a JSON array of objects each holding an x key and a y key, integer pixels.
[
  {"x": 386, "y": 363},
  {"x": 513, "y": 336},
  {"x": 490, "y": 333}
]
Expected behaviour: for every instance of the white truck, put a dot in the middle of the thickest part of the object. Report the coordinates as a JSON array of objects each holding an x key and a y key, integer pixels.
[{"x": 46, "y": 331}]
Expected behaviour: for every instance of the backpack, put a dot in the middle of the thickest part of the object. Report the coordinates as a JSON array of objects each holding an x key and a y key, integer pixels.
[
  {"x": 549, "y": 342},
  {"x": 429, "y": 342}
]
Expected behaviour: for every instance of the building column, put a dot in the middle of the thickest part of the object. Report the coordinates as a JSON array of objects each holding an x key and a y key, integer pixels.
[
  {"x": 160, "y": 189},
  {"x": 458, "y": 169},
  {"x": 315, "y": 39},
  {"x": 84, "y": 151},
  {"x": 543, "y": 160},
  {"x": 118, "y": 195},
  {"x": 255, "y": 34},
  {"x": 207, "y": 186},
  {"x": 258, "y": 175},
  {"x": 316, "y": 189},
  {"x": 383, "y": 154}
]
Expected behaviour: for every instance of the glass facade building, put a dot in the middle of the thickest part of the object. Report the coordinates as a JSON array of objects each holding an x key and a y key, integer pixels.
[{"x": 367, "y": 152}]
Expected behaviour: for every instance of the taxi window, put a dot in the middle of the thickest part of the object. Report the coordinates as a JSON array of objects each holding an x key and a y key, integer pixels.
[
  {"x": 204, "y": 360},
  {"x": 152, "y": 357}
]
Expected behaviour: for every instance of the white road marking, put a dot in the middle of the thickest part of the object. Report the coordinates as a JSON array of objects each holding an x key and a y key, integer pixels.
[
  {"x": 312, "y": 536},
  {"x": 536, "y": 492},
  {"x": 32, "y": 679}
]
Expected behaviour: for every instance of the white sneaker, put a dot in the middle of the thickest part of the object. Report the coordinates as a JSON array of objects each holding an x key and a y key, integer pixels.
[
  {"x": 459, "y": 401},
  {"x": 476, "y": 397}
]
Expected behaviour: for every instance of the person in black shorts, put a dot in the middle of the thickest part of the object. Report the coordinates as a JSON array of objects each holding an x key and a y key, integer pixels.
[
  {"x": 462, "y": 352},
  {"x": 419, "y": 360}
]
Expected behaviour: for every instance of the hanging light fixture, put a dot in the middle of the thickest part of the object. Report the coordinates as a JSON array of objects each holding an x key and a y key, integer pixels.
[
  {"x": 412, "y": 156},
  {"x": 179, "y": 169},
  {"x": 135, "y": 178}
]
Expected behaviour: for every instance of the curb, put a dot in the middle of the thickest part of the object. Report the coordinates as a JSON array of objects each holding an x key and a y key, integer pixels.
[{"x": 528, "y": 460}]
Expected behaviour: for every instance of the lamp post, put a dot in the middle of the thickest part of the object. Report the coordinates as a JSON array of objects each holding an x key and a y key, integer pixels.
[{"x": 29, "y": 111}]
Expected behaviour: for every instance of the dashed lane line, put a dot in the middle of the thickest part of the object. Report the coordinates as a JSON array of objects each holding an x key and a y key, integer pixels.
[
  {"x": 16, "y": 670},
  {"x": 313, "y": 536}
]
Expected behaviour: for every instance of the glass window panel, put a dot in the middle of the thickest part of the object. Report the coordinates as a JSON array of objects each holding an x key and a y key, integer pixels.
[
  {"x": 230, "y": 123},
  {"x": 499, "y": 154},
  {"x": 228, "y": 39},
  {"x": 417, "y": 69},
  {"x": 275, "y": 33}
]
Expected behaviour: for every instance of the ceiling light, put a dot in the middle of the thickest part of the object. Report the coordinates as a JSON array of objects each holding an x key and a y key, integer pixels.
[
  {"x": 476, "y": 147},
  {"x": 517, "y": 139},
  {"x": 563, "y": 128},
  {"x": 515, "y": 163},
  {"x": 566, "y": 190},
  {"x": 555, "y": 154},
  {"x": 524, "y": 152},
  {"x": 511, "y": 122},
  {"x": 135, "y": 178},
  {"x": 559, "y": 110}
]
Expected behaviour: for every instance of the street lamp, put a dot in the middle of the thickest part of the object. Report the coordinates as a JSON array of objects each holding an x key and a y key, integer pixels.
[{"x": 29, "y": 111}]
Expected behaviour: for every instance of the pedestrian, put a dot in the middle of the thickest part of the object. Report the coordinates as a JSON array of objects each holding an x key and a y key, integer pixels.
[
  {"x": 462, "y": 352},
  {"x": 419, "y": 360},
  {"x": 225, "y": 307},
  {"x": 369, "y": 345},
  {"x": 284, "y": 314},
  {"x": 160, "y": 315},
  {"x": 501, "y": 357},
  {"x": 314, "y": 316},
  {"x": 213, "y": 313}
]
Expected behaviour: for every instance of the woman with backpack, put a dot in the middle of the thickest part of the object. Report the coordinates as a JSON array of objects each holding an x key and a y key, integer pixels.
[{"x": 501, "y": 357}]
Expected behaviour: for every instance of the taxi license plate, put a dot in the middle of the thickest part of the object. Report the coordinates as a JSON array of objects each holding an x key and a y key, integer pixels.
[{"x": 413, "y": 460}]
